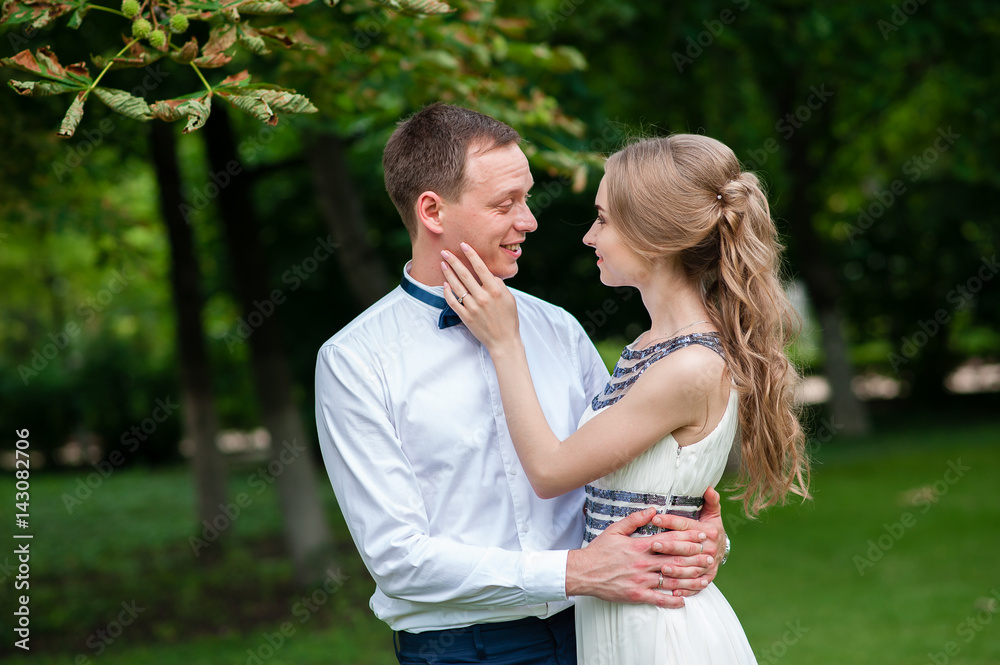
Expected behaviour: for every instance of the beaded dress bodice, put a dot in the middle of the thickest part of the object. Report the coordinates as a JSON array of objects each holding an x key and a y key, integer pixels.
[
  {"x": 667, "y": 476},
  {"x": 633, "y": 363}
]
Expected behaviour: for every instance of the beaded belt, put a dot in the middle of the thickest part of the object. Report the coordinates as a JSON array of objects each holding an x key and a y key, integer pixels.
[{"x": 604, "y": 504}]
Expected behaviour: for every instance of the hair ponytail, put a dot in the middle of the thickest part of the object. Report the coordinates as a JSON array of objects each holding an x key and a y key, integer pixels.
[
  {"x": 756, "y": 322},
  {"x": 686, "y": 195}
]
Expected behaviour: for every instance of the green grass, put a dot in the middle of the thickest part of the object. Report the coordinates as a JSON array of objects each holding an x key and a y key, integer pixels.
[
  {"x": 806, "y": 565},
  {"x": 797, "y": 567},
  {"x": 129, "y": 541}
]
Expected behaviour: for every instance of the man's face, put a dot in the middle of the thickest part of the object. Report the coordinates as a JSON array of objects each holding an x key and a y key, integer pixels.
[{"x": 492, "y": 213}]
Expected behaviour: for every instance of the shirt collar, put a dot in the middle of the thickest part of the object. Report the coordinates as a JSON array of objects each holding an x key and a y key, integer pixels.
[{"x": 431, "y": 295}]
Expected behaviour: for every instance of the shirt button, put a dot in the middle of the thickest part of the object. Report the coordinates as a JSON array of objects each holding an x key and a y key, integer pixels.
[
  {"x": 513, "y": 471},
  {"x": 524, "y": 528}
]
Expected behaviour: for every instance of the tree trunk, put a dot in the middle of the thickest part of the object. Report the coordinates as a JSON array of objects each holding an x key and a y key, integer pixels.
[
  {"x": 339, "y": 201},
  {"x": 848, "y": 415},
  {"x": 197, "y": 397},
  {"x": 306, "y": 530}
]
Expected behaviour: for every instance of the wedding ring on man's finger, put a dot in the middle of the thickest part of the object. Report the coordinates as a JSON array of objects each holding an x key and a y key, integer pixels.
[
  {"x": 660, "y": 584},
  {"x": 702, "y": 548}
]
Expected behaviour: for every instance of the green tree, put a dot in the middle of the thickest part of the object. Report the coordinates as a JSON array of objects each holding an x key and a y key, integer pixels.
[
  {"x": 468, "y": 57},
  {"x": 832, "y": 105}
]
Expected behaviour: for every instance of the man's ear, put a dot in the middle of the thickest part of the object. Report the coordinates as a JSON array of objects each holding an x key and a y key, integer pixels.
[{"x": 429, "y": 206}]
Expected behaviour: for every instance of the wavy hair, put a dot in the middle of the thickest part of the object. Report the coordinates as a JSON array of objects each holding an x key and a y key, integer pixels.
[{"x": 687, "y": 195}]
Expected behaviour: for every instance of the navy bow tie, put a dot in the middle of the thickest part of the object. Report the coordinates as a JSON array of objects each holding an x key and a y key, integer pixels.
[{"x": 448, "y": 316}]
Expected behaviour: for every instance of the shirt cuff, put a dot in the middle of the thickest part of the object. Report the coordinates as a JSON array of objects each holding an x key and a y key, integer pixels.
[{"x": 545, "y": 576}]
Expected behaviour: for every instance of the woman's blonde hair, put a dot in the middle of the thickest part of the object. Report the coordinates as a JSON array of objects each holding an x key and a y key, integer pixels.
[{"x": 687, "y": 195}]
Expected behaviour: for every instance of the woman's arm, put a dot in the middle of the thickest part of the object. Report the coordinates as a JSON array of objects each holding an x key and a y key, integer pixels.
[{"x": 672, "y": 394}]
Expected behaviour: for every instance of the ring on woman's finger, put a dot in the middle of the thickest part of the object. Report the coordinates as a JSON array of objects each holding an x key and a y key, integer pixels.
[
  {"x": 660, "y": 584},
  {"x": 462, "y": 296}
]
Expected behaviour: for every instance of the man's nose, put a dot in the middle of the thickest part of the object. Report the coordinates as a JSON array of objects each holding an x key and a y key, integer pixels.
[{"x": 526, "y": 221}]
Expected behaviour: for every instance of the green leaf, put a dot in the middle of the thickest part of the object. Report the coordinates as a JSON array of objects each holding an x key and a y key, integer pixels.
[
  {"x": 286, "y": 101},
  {"x": 481, "y": 53},
  {"x": 197, "y": 112},
  {"x": 530, "y": 55},
  {"x": 212, "y": 61},
  {"x": 237, "y": 80},
  {"x": 221, "y": 37},
  {"x": 125, "y": 103},
  {"x": 417, "y": 7},
  {"x": 168, "y": 110},
  {"x": 47, "y": 66},
  {"x": 268, "y": 7},
  {"x": 252, "y": 105},
  {"x": 262, "y": 100},
  {"x": 500, "y": 46},
  {"x": 40, "y": 88},
  {"x": 204, "y": 6},
  {"x": 139, "y": 55},
  {"x": 73, "y": 116},
  {"x": 37, "y": 12},
  {"x": 252, "y": 41},
  {"x": 567, "y": 59},
  {"x": 77, "y": 18},
  {"x": 195, "y": 109},
  {"x": 280, "y": 36},
  {"x": 442, "y": 59},
  {"x": 77, "y": 71}
]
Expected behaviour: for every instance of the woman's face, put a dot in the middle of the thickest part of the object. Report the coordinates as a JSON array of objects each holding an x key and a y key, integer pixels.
[{"x": 619, "y": 265}]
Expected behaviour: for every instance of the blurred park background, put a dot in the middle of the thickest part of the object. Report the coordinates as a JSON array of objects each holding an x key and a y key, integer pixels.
[{"x": 165, "y": 293}]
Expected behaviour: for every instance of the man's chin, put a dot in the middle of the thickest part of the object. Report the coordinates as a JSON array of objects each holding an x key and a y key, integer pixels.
[
  {"x": 504, "y": 268},
  {"x": 505, "y": 272}
]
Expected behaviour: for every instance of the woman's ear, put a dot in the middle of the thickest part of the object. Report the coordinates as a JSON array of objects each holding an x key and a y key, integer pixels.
[{"x": 429, "y": 205}]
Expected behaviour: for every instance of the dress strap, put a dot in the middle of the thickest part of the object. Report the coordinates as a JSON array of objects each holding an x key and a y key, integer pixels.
[{"x": 633, "y": 363}]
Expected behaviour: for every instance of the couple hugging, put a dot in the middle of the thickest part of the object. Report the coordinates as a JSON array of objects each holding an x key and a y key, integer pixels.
[{"x": 513, "y": 502}]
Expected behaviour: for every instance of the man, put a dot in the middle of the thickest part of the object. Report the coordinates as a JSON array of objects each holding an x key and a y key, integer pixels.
[{"x": 468, "y": 562}]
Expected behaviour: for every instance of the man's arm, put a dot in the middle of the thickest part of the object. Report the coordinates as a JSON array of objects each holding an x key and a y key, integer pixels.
[
  {"x": 381, "y": 500},
  {"x": 620, "y": 569}
]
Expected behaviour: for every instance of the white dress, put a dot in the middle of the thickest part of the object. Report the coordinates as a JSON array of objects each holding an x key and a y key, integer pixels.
[{"x": 670, "y": 478}]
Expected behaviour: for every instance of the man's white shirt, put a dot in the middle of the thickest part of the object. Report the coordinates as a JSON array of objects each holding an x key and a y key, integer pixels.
[{"x": 414, "y": 439}]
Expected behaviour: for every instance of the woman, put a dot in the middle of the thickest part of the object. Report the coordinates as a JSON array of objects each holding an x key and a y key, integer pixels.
[{"x": 677, "y": 219}]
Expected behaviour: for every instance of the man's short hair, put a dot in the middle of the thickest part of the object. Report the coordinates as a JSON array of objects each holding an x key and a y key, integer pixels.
[{"x": 428, "y": 151}]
